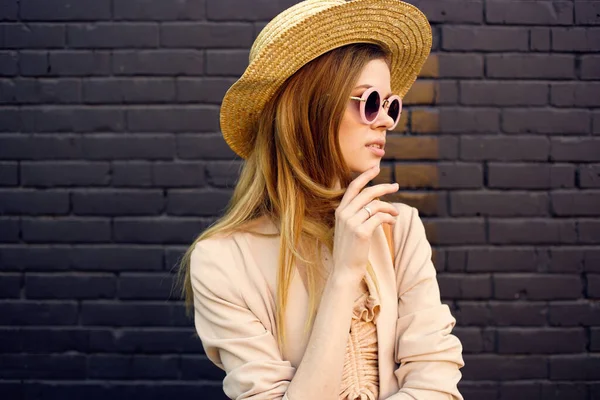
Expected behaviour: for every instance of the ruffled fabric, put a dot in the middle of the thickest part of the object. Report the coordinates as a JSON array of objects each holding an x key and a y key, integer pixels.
[{"x": 360, "y": 376}]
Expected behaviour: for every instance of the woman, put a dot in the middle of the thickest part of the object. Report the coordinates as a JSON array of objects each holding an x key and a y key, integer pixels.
[{"x": 294, "y": 291}]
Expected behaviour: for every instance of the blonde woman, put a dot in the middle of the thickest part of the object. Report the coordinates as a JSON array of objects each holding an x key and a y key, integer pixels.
[{"x": 309, "y": 286}]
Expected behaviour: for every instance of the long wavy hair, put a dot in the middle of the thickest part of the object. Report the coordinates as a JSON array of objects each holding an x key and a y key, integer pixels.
[{"x": 291, "y": 175}]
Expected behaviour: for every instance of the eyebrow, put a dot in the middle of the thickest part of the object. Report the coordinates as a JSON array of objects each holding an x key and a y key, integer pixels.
[{"x": 368, "y": 86}]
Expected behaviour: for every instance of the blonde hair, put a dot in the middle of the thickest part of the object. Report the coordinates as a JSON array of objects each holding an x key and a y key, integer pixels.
[{"x": 290, "y": 175}]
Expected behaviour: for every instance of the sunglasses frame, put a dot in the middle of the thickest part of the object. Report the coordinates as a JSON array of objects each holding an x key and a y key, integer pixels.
[{"x": 383, "y": 104}]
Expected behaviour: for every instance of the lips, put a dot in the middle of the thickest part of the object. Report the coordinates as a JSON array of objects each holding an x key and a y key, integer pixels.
[{"x": 379, "y": 144}]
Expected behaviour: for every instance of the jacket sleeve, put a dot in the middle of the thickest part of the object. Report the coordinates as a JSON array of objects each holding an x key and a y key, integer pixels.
[
  {"x": 233, "y": 337},
  {"x": 429, "y": 356}
]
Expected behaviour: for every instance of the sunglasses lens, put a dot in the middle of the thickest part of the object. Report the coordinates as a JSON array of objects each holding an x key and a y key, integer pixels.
[
  {"x": 394, "y": 110},
  {"x": 372, "y": 106}
]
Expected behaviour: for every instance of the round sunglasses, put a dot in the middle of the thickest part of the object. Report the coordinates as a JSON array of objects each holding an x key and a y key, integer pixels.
[{"x": 370, "y": 105}]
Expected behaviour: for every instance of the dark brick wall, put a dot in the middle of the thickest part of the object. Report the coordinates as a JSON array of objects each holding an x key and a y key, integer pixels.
[{"x": 111, "y": 163}]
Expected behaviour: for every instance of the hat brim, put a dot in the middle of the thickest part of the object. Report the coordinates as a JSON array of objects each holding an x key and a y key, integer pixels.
[{"x": 398, "y": 27}]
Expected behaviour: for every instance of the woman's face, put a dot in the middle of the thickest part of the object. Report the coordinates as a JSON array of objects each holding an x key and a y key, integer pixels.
[{"x": 357, "y": 139}]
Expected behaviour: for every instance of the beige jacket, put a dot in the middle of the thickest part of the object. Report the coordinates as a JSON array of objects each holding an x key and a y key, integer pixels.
[{"x": 234, "y": 282}]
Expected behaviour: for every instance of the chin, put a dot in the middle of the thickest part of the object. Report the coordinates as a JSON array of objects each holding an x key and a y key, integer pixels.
[{"x": 359, "y": 168}]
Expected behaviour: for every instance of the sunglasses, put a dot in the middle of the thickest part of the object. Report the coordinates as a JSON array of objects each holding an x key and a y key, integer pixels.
[{"x": 370, "y": 105}]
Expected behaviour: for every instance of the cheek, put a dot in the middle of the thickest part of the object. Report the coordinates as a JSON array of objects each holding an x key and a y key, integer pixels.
[{"x": 350, "y": 132}]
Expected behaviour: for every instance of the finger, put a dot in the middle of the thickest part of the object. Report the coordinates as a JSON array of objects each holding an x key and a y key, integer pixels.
[
  {"x": 376, "y": 206},
  {"x": 370, "y": 193},
  {"x": 369, "y": 226},
  {"x": 358, "y": 184}
]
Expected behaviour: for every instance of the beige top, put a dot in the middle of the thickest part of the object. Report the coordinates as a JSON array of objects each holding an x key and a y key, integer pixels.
[
  {"x": 360, "y": 378},
  {"x": 234, "y": 278}
]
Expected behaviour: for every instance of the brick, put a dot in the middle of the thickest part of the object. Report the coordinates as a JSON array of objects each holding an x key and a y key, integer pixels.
[
  {"x": 9, "y": 173},
  {"x": 40, "y": 340},
  {"x": 424, "y": 121},
  {"x": 173, "y": 119},
  {"x": 68, "y": 286},
  {"x": 206, "y": 35},
  {"x": 198, "y": 367},
  {"x": 565, "y": 259},
  {"x": 73, "y": 63},
  {"x": 43, "y": 91},
  {"x": 202, "y": 90},
  {"x": 587, "y": 13},
  {"x": 128, "y": 90},
  {"x": 471, "y": 339},
  {"x": 29, "y": 257},
  {"x": 441, "y": 176},
  {"x": 562, "y": 390},
  {"x": 503, "y": 93},
  {"x": 493, "y": 259},
  {"x": 223, "y": 173},
  {"x": 9, "y": 63},
  {"x": 593, "y": 292},
  {"x": 34, "y": 147},
  {"x": 574, "y": 367},
  {"x": 131, "y": 314},
  {"x": 492, "y": 203},
  {"x": 539, "y": 39},
  {"x": 33, "y": 36},
  {"x": 149, "y": 230},
  {"x": 455, "y": 286},
  {"x": 11, "y": 120},
  {"x": 537, "y": 287},
  {"x": 532, "y": 231},
  {"x": 462, "y": 231},
  {"x": 451, "y": 10},
  {"x": 180, "y": 174},
  {"x": 73, "y": 119},
  {"x": 530, "y": 176},
  {"x": 579, "y": 203},
  {"x": 34, "y": 202},
  {"x": 412, "y": 148},
  {"x": 595, "y": 122},
  {"x": 530, "y": 66},
  {"x": 421, "y": 92},
  {"x": 111, "y": 35},
  {"x": 129, "y": 147},
  {"x": 118, "y": 202},
  {"x": 109, "y": 366},
  {"x": 10, "y": 287},
  {"x": 44, "y": 366},
  {"x": 197, "y": 202},
  {"x": 116, "y": 258},
  {"x": 589, "y": 176},
  {"x": 132, "y": 174},
  {"x": 555, "y": 121},
  {"x": 37, "y": 63},
  {"x": 580, "y": 313},
  {"x": 464, "y": 65},
  {"x": 154, "y": 10},
  {"x": 504, "y": 148},
  {"x": 540, "y": 341},
  {"x": 231, "y": 10},
  {"x": 446, "y": 93},
  {"x": 226, "y": 62},
  {"x": 529, "y": 13},
  {"x": 594, "y": 339},
  {"x": 575, "y": 149},
  {"x": 9, "y": 10},
  {"x": 59, "y": 10},
  {"x": 149, "y": 340},
  {"x": 158, "y": 62},
  {"x": 482, "y": 38},
  {"x": 431, "y": 68},
  {"x": 203, "y": 146},
  {"x": 590, "y": 66},
  {"x": 469, "y": 120},
  {"x": 520, "y": 390},
  {"x": 589, "y": 231},
  {"x": 575, "y": 94},
  {"x": 65, "y": 173},
  {"x": 29, "y": 312},
  {"x": 428, "y": 203},
  {"x": 155, "y": 367},
  {"x": 575, "y": 39},
  {"x": 66, "y": 230},
  {"x": 492, "y": 367},
  {"x": 145, "y": 286},
  {"x": 478, "y": 389}
]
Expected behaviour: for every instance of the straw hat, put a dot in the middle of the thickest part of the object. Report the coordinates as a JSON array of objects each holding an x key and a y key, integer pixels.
[{"x": 309, "y": 29}]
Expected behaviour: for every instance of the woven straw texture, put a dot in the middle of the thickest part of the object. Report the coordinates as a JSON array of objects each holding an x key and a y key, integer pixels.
[{"x": 309, "y": 29}]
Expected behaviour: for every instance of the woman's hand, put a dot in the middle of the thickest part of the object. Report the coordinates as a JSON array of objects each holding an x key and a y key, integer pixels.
[{"x": 354, "y": 226}]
